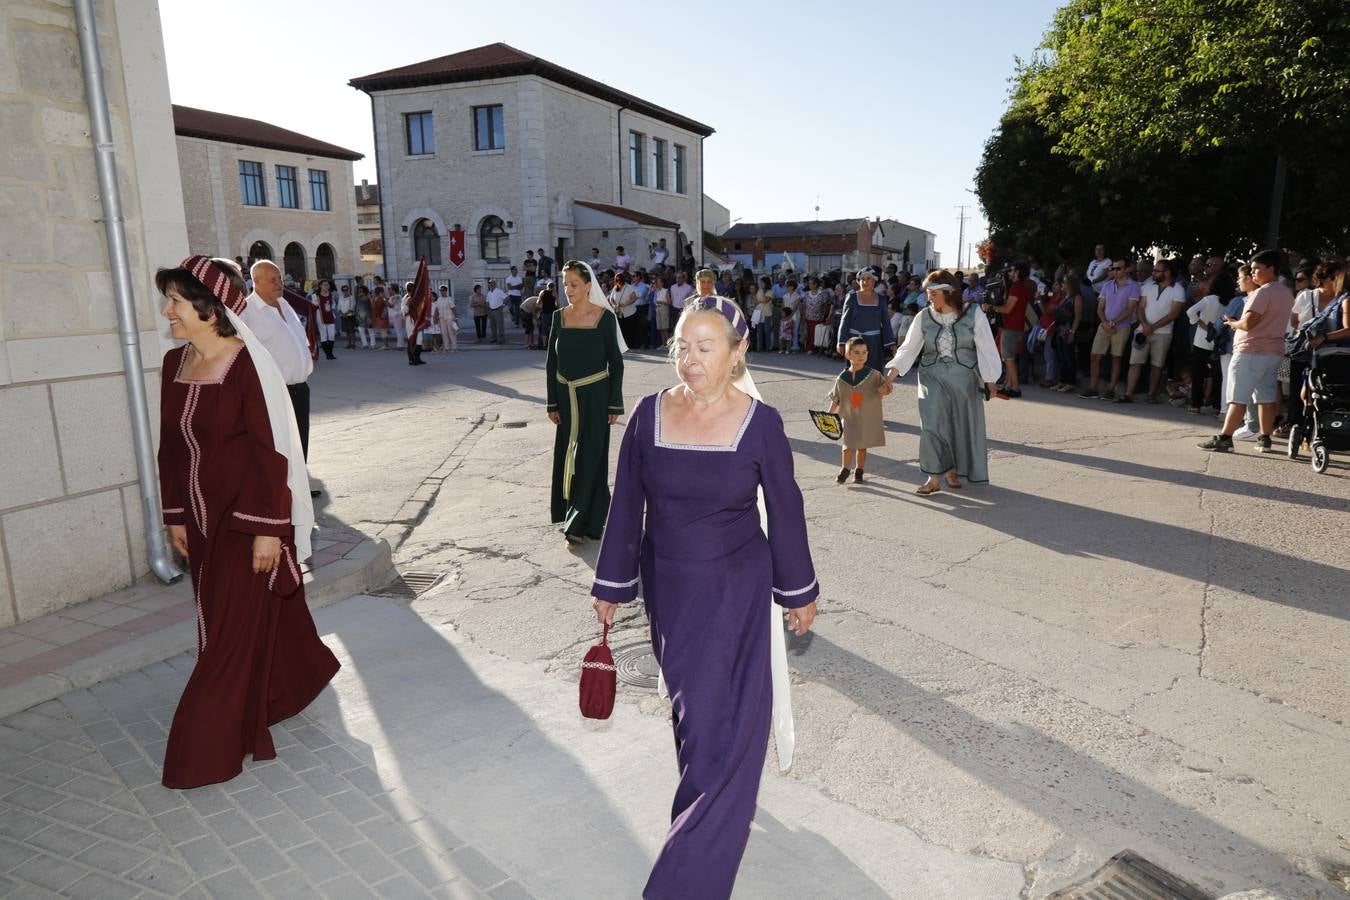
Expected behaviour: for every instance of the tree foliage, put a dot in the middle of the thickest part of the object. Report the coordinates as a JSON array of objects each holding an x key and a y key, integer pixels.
[{"x": 1158, "y": 122}]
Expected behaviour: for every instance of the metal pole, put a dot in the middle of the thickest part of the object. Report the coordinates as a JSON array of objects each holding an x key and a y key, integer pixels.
[
  {"x": 961, "y": 235},
  {"x": 114, "y": 225},
  {"x": 1276, "y": 205}
]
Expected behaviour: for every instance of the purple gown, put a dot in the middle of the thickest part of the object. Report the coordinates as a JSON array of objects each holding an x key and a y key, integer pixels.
[{"x": 707, "y": 574}]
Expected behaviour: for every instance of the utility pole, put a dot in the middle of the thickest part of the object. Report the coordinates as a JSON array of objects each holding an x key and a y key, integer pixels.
[
  {"x": 961, "y": 235},
  {"x": 817, "y": 207}
]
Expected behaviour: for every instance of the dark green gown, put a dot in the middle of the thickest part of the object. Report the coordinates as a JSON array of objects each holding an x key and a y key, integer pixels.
[{"x": 585, "y": 387}]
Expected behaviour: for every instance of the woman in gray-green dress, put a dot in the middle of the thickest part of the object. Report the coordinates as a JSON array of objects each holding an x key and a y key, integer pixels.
[
  {"x": 585, "y": 397},
  {"x": 958, "y": 361}
]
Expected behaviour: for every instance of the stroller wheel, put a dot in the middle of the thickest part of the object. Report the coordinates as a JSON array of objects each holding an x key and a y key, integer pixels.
[
  {"x": 1295, "y": 441},
  {"x": 1320, "y": 457}
]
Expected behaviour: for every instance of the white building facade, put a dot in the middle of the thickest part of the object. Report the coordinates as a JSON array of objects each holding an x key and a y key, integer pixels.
[
  {"x": 71, "y": 517},
  {"x": 502, "y": 145}
]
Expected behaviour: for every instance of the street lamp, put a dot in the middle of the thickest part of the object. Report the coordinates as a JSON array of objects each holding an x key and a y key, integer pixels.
[{"x": 726, "y": 226}]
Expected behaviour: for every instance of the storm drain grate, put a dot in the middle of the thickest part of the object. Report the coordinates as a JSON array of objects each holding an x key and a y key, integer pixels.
[
  {"x": 636, "y": 665},
  {"x": 514, "y": 424},
  {"x": 409, "y": 585},
  {"x": 1128, "y": 876}
]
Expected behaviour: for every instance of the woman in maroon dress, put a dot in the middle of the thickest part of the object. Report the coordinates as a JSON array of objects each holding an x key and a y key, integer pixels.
[{"x": 228, "y": 508}]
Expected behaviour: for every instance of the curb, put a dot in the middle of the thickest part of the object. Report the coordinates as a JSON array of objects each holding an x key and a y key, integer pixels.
[{"x": 365, "y": 568}]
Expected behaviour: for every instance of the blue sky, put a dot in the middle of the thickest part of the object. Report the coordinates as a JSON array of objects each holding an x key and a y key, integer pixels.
[{"x": 879, "y": 108}]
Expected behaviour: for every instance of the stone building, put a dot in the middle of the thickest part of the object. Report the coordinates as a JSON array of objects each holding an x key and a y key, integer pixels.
[
  {"x": 368, "y": 227},
  {"x": 70, "y": 511},
  {"x": 255, "y": 191},
  {"x": 819, "y": 246},
  {"x": 520, "y": 153}
]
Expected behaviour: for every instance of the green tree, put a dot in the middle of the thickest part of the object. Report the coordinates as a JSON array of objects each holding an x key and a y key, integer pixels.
[{"x": 1166, "y": 122}]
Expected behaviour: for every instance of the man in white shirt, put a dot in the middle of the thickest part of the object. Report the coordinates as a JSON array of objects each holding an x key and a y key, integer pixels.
[
  {"x": 280, "y": 330},
  {"x": 515, "y": 283},
  {"x": 622, "y": 261},
  {"x": 660, "y": 253},
  {"x": 496, "y": 300},
  {"x": 597, "y": 264},
  {"x": 679, "y": 292},
  {"x": 1159, "y": 305},
  {"x": 346, "y": 305},
  {"x": 1100, "y": 268}
]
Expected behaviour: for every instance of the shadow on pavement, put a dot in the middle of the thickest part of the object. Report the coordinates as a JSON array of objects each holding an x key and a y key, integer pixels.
[{"x": 1083, "y": 798}]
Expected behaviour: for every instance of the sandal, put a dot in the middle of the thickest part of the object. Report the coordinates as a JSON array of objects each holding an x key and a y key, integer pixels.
[
  {"x": 927, "y": 488},
  {"x": 953, "y": 484}
]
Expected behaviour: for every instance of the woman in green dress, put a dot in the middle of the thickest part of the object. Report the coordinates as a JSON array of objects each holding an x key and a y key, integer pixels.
[{"x": 585, "y": 397}]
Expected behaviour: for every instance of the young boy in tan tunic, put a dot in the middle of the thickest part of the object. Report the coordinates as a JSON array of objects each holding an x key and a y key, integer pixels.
[{"x": 856, "y": 397}]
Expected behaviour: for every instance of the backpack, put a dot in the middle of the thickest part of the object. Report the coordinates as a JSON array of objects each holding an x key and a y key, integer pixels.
[{"x": 1296, "y": 344}]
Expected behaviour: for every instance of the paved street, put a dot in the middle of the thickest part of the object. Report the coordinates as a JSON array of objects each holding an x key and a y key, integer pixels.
[{"x": 1120, "y": 643}]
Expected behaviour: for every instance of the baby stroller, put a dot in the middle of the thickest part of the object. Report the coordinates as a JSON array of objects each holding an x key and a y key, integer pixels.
[{"x": 1326, "y": 415}]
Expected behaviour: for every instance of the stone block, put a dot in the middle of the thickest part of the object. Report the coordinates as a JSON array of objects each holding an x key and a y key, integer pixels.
[
  {"x": 23, "y": 154},
  {"x": 29, "y": 466},
  {"x": 23, "y": 233},
  {"x": 82, "y": 245},
  {"x": 49, "y": 63},
  {"x": 60, "y": 126},
  {"x": 75, "y": 356},
  {"x": 43, "y": 540},
  {"x": 53, "y": 300},
  {"x": 92, "y": 422}
]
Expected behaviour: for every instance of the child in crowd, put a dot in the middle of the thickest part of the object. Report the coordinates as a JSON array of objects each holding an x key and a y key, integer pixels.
[
  {"x": 856, "y": 397},
  {"x": 786, "y": 327}
]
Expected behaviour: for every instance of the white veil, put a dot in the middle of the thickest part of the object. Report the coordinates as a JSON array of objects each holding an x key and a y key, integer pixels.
[{"x": 601, "y": 299}]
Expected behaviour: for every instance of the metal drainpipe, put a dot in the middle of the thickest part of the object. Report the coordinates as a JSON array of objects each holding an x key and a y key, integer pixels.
[
  {"x": 157, "y": 549},
  {"x": 619, "y": 119}
]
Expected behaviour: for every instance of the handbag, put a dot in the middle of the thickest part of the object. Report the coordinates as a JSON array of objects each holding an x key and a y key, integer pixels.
[{"x": 598, "y": 680}]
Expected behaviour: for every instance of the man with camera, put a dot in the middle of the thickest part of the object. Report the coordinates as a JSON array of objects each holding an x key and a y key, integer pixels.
[
  {"x": 1013, "y": 309},
  {"x": 1159, "y": 305}
]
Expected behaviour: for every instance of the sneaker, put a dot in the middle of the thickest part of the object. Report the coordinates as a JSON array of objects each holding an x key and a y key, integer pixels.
[
  {"x": 1154, "y": 401},
  {"x": 1263, "y": 442},
  {"x": 1123, "y": 398},
  {"x": 1220, "y": 443},
  {"x": 1208, "y": 410},
  {"x": 842, "y": 476},
  {"x": 857, "y": 476},
  {"x": 1090, "y": 394},
  {"x": 1012, "y": 392},
  {"x": 1108, "y": 396},
  {"x": 1244, "y": 434}
]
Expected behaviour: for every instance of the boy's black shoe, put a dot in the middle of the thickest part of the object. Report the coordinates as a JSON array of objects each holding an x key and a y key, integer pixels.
[
  {"x": 857, "y": 476},
  {"x": 1220, "y": 443}
]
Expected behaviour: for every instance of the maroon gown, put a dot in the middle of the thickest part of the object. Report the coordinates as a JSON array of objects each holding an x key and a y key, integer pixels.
[{"x": 259, "y": 658}]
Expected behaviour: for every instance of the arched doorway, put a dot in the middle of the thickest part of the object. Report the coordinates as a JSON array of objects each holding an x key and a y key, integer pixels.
[
  {"x": 294, "y": 264},
  {"x": 325, "y": 266},
  {"x": 259, "y": 250},
  {"x": 426, "y": 242}
]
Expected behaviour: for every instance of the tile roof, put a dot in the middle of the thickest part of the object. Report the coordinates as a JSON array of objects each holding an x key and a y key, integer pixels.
[
  {"x": 214, "y": 126},
  {"x": 826, "y": 228},
  {"x": 502, "y": 60},
  {"x": 631, "y": 215}
]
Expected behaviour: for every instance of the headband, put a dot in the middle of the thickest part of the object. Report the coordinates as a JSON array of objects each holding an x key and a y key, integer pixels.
[
  {"x": 722, "y": 305},
  {"x": 932, "y": 286},
  {"x": 868, "y": 272},
  {"x": 215, "y": 280}
]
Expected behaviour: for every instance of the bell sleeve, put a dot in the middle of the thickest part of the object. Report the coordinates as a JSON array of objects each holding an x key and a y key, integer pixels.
[
  {"x": 264, "y": 503},
  {"x": 616, "y": 569},
  {"x": 551, "y": 365},
  {"x": 172, "y": 457},
  {"x": 986, "y": 351},
  {"x": 615, "y": 361},
  {"x": 794, "y": 575},
  {"x": 844, "y": 321},
  {"x": 912, "y": 346}
]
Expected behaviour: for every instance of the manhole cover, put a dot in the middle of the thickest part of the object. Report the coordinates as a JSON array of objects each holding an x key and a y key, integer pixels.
[
  {"x": 635, "y": 665},
  {"x": 514, "y": 424},
  {"x": 1128, "y": 876},
  {"x": 409, "y": 585}
]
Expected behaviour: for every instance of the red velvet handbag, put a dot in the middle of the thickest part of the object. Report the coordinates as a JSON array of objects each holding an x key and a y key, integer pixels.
[{"x": 598, "y": 680}]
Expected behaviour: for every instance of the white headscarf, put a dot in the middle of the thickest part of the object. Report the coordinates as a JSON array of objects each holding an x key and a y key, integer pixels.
[
  {"x": 601, "y": 299},
  {"x": 285, "y": 434}
]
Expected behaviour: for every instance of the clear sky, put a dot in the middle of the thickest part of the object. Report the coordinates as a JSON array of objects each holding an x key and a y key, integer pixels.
[{"x": 879, "y": 108}]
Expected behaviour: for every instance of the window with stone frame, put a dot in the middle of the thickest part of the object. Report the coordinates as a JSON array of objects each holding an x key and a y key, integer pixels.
[
  {"x": 426, "y": 242},
  {"x": 658, "y": 164},
  {"x": 252, "y": 191},
  {"x": 636, "y": 144},
  {"x": 494, "y": 245},
  {"x": 681, "y": 186},
  {"x": 287, "y": 195},
  {"x": 489, "y": 128},
  {"x": 419, "y": 133},
  {"x": 318, "y": 189}
]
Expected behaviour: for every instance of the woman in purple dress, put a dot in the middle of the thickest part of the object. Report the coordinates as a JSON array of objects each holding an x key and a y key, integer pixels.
[{"x": 711, "y": 466}]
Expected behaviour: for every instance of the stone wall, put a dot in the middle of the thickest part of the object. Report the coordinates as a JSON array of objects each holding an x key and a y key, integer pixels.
[
  {"x": 219, "y": 224},
  {"x": 70, "y": 511}
]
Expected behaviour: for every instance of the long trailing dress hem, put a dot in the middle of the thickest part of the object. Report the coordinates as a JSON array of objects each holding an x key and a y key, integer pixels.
[{"x": 707, "y": 572}]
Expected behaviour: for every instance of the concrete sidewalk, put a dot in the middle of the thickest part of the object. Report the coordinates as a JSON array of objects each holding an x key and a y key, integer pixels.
[{"x": 148, "y": 622}]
